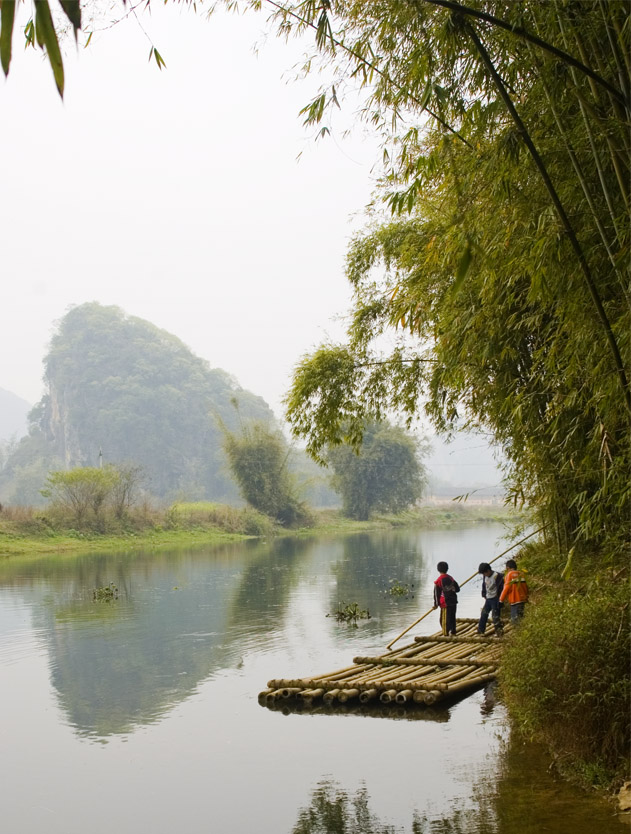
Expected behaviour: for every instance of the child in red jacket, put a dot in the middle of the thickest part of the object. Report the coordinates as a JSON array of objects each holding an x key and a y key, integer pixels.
[{"x": 445, "y": 597}]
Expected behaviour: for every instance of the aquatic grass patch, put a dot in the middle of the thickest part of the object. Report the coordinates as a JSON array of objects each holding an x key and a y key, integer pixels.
[
  {"x": 107, "y": 593},
  {"x": 400, "y": 589},
  {"x": 349, "y": 613}
]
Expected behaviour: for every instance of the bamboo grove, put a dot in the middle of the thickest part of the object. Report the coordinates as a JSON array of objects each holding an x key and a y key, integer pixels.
[{"x": 503, "y": 266}]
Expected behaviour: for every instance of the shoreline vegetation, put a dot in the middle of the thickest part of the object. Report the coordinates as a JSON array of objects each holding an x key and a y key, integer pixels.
[{"x": 26, "y": 531}]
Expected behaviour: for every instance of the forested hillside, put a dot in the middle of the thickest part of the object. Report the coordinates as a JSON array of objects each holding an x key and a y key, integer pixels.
[{"x": 117, "y": 384}]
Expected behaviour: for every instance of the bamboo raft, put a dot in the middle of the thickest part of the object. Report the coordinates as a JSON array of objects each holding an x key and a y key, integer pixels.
[{"x": 428, "y": 670}]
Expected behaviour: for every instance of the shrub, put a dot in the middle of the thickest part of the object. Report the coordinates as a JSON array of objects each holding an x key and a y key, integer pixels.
[{"x": 566, "y": 677}]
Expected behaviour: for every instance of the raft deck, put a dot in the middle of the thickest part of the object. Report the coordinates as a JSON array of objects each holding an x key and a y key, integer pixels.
[{"x": 428, "y": 670}]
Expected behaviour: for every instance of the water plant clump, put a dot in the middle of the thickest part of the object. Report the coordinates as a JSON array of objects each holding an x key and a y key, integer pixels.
[
  {"x": 400, "y": 589},
  {"x": 350, "y": 613},
  {"x": 107, "y": 593}
]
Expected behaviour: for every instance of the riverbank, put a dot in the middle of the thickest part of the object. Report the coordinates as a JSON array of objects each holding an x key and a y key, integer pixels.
[
  {"x": 565, "y": 676},
  {"x": 30, "y": 532}
]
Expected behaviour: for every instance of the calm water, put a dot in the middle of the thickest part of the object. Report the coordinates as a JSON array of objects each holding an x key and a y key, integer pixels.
[{"x": 142, "y": 714}]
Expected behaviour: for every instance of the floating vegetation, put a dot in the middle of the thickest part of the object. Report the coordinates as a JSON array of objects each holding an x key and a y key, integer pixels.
[
  {"x": 105, "y": 594},
  {"x": 350, "y": 613},
  {"x": 400, "y": 589}
]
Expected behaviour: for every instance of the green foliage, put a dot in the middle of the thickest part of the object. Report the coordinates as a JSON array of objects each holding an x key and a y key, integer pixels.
[
  {"x": 246, "y": 520},
  {"x": 384, "y": 475},
  {"x": 81, "y": 491},
  {"x": 119, "y": 384},
  {"x": 350, "y": 612},
  {"x": 107, "y": 593},
  {"x": 84, "y": 494},
  {"x": 258, "y": 458},
  {"x": 398, "y": 589},
  {"x": 506, "y": 275},
  {"x": 566, "y": 675}
]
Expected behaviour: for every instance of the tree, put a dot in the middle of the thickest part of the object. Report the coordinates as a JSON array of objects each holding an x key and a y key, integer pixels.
[
  {"x": 384, "y": 474},
  {"x": 81, "y": 490},
  {"x": 258, "y": 459}
]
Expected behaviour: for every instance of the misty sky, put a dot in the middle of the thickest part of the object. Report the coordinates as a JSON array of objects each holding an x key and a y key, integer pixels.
[{"x": 177, "y": 196}]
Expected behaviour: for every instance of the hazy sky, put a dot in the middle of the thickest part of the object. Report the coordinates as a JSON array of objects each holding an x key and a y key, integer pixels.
[{"x": 177, "y": 196}]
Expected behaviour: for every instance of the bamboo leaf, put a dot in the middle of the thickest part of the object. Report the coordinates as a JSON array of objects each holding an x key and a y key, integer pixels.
[
  {"x": 462, "y": 269},
  {"x": 7, "y": 17},
  {"x": 159, "y": 59},
  {"x": 47, "y": 38},
  {"x": 72, "y": 8},
  {"x": 29, "y": 34}
]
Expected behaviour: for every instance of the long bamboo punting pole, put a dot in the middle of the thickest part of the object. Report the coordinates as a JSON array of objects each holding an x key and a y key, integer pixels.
[{"x": 494, "y": 559}]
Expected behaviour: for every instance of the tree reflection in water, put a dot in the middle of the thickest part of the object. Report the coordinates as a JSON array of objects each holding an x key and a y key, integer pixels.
[{"x": 334, "y": 811}]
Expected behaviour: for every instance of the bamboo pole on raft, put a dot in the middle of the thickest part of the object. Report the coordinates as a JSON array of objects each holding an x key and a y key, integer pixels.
[{"x": 494, "y": 559}]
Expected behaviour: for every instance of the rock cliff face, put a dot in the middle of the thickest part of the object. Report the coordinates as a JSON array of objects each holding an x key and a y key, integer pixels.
[
  {"x": 120, "y": 385},
  {"x": 59, "y": 427}
]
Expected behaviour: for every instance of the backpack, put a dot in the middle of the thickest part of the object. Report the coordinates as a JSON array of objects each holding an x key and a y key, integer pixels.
[{"x": 450, "y": 588}]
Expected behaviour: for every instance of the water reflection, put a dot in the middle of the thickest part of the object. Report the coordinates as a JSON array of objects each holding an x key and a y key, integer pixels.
[
  {"x": 333, "y": 811},
  {"x": 398, "y": 713},
  {"x": 182, "y": 616},
  {"x": 192, "y": 639}
]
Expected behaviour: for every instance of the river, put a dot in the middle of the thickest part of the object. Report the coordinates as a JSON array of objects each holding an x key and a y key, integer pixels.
[{"x": 141, "y": 714}]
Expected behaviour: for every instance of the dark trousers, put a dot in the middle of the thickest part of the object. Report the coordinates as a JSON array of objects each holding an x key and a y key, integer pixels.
[
  {"x": 448, "y": 619},
  {"x": 492, "y": 607}
]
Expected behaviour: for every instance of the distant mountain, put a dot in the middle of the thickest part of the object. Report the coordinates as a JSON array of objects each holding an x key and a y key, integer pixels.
[
  {"x": 121, "y": 388},
  {"x": 13, "y": 415}
]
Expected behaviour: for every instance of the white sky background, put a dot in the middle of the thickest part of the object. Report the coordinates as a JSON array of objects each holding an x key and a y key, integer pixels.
[{"x": 177, "y": 196}]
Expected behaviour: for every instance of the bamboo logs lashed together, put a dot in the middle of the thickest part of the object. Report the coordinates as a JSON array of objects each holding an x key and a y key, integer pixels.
[{"x": 428, "y": 670}]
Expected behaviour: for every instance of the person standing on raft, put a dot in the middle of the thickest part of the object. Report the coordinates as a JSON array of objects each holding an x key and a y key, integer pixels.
[
  {"x": 446, "y": 590},
  {"x": 492, "y": 586},
  {"x": 515, "y": 591}
]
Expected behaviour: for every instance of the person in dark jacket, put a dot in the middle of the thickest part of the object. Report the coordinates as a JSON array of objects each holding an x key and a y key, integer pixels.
[
  {"x": 492, "y": 585},
  {"x": 446, "y": 590}
]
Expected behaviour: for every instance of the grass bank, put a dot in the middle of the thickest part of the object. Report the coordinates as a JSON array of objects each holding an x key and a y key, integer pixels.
[
  {"x": 565, "y": 674},
  {"x": 26, "y": 531}
]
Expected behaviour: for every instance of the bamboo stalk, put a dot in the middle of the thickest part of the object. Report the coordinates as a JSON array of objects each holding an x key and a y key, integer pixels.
[
  {"x": 388, "y": 695},
  {"x": 368, "y": 695},
  {"x": 431, "y": 697},
  {"x": 288, "y": 691},
  {"x": 423, "y": 662},
  {"x": 308, "y": 695},
  {"x": 404, "y": 696},
  {"x": 330, "y": 696},
  {"x": 347, "y": 694}
]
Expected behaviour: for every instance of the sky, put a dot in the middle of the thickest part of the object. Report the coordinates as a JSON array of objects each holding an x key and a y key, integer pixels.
[
  {"x": 192, "y": 197},
  {"x": 176, "y": 195}
]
